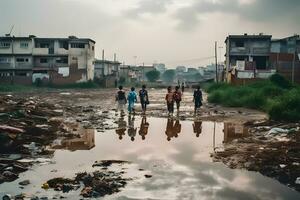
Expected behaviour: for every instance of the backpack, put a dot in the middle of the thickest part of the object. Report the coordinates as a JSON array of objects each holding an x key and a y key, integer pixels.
[
  {"x": 121, "y": 95},
  {"x": 177, "y": 96},
  {"x": 143, "y": 95}
]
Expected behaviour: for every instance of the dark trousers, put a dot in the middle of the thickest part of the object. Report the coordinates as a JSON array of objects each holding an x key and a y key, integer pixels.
[
  {"x": 144, "y": 106},
  {"x": 170, "y": 106},
  {"x": 177, "y": 104}
]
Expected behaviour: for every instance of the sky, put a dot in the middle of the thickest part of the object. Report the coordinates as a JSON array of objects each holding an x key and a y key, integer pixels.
[{"x": 174, "y": 32}]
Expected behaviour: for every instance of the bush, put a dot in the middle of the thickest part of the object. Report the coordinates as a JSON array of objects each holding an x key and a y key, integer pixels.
[
  {"x": 278, "y": 97},
  {"x": 280, "y": 81}
]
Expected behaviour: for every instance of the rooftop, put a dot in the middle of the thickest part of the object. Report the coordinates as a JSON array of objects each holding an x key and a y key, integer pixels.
[
  {"x": 70, "y": 38},
  {"x": 246, "y": 36}
]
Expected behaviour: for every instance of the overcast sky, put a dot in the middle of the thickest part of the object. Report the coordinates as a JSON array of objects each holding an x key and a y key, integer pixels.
[{"x": 175, "y": 32}]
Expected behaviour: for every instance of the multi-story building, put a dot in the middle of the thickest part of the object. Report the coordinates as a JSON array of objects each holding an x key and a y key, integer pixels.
[
  {"x": 108, "y": 72},
  {"x": 285, "y": 54},
  {"x": 247, "y": 57},
  {"x": 24, "y": 60}
]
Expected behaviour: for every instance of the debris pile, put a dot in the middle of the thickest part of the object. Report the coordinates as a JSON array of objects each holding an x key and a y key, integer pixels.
[{"x": 274, "y": 152}]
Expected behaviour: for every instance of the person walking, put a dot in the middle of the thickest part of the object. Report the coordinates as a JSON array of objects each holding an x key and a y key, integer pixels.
[
  {"x": 121, "y": 99},
  {"x": 144, "y": 99},
  {"x": 182, "y": 87},
  {"x": 177, "y": 98},
  {"x": 197, "y": 98},
  {"x": 170, "y": 100},
  {"x": 132, "y": 98}
]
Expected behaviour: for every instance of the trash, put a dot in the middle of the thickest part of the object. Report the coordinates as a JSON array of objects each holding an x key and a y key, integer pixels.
[
  {"x": 275, "y": 131},
  {"x": 297, "y": 181},
  {"x": 11, "y": 129},
  {"x": 25, "y": 182},
  {"x": 45, "y": 186},
  {"x": 282, "y": 165}
]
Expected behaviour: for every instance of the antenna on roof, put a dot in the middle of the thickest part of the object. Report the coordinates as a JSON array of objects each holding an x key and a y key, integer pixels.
[{"x": 8, "y": 35}]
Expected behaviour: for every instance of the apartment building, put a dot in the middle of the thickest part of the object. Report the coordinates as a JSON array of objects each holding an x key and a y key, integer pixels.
[
  {"x": 248, "y": 57},
  {"x": 24, "y": 60}
]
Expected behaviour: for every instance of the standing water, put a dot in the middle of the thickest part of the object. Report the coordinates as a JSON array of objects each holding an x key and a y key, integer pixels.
[{"x": 174, "y": 154}]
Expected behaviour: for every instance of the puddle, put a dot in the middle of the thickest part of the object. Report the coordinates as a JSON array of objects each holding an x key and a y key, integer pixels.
[{"x": 176, "y": 155}]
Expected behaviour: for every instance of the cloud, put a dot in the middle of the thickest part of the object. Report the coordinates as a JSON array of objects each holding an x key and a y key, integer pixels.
[
  {"x": 252, "y": 10},
  {"x": 148, "y": 7}
]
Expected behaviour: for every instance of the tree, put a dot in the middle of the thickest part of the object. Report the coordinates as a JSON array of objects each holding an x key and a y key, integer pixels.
[
  {"x": 153, "y": 75},
  {"x": 169, "y": 75}
]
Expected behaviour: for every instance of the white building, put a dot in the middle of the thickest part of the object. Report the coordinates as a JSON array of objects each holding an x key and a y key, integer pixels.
[{"x": 56, "y": 60}]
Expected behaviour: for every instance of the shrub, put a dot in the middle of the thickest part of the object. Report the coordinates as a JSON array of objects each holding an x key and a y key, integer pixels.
[{"x": 280, "y": 81}]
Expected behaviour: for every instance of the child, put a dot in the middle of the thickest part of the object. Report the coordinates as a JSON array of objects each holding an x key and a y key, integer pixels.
[
  {"x": 143, "y": 94},
  {"x": 177, "y": 97},
  {"x": 121, "y": 99},
  {"x": 197, "y": 98},
  {"x": 132, "y": 98},
  {"x": 170, "y": 100}
]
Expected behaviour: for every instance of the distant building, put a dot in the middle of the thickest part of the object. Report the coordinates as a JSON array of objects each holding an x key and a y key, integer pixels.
[
  {"x": 248, "y": 58},
  {"x": 285, "y": 54},
  {"x": 107, "y": 72},
  {"x": 23, "y": 60}
]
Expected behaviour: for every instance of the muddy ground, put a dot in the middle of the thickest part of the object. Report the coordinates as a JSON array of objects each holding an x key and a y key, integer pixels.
[{"x": 29, "y": 122}]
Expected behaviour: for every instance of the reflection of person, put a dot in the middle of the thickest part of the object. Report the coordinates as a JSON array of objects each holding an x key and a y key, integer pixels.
[
  {"x": 176, "y": 128},
  {"x": 197, "y": 98},
  {"x": 121, "y": 128},
  {"x": 131, "y": 130},
  {"x": 144, "y": 128},
  {"x": 169, "y": 129},
  {"x": 197, "y": 127},
  {"x": 172, "y": 129},
  {"x": 132, "y": 98}
]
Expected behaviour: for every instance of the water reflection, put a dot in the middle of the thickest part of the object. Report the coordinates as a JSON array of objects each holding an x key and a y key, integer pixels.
[
  {"x": 85, "y": 142},
  {"x": 144, "y": 128},
  {"x": 172, "y": 129},
  {"x": 131, "y": 129},
  {"x": 197, "y": 127},
  {"x": 121, "y": 128},
  {"x": 234, "y": 131}
]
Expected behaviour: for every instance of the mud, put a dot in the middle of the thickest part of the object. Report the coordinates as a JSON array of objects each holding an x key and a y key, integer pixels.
[
  {"x": 275, "y": 155},
  {"x": 34, "y": 125}
]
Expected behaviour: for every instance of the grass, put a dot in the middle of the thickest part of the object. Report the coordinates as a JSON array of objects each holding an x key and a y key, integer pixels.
[
  {"x": 15, "y": 88},
  {"x": 276, "y": 96}
]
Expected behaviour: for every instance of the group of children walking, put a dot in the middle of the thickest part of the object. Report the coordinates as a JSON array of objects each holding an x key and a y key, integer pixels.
[
  {"x": 132, "y": 99},
  {"x": 172, "y": 98}
]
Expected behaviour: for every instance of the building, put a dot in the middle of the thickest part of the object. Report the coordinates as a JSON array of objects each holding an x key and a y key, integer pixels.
[
  {"x": 248, "y": 58},
  {"x": 107, "y": 71},
  {"x": 285, "y": 54},
  {"x": 24, "y": 60}
]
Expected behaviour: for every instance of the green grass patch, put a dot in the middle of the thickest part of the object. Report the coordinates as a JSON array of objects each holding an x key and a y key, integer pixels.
[
  {"x": 276, "y": 96},
  {"x": 15, "y": 88}
]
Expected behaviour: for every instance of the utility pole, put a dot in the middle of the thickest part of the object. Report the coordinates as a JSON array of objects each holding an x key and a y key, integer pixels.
[
  {"x": 293, "y": 67},
  {"x": 216, "y": 57}
]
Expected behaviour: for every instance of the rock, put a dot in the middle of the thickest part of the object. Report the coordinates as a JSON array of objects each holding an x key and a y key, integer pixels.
[
  {"x": 25, "y": 182},
  {"x": 148, "y": 176},
  {"x": 297, "y": 181},
  {"x": 86, "y": 192},
  {"x": 9, "y": 176},
  {"x": 6, "y": 197}
]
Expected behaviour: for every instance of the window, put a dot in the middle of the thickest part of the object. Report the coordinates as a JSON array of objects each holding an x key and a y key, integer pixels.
[
  {"x": 62, "y": 60},
  {"x": 44, "y": 45},
  {"x": 77, "y": 45},
  {"x": 239, "y": 44},
  {"x": 4, "y": 60},
  {"x": 93, "y": 48},
  {"x": 43, "y": 60},
  {"x": 24, "y": 45},
  {"x": 64, "y": 45},
  {"x": 4, "y": 44},
  {"x": 20, "y": 73},
  {"x": 20, "y": 60}
]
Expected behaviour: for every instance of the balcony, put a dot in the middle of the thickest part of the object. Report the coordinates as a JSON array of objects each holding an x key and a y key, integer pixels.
[
  {"x": 40, "y": 51},
  {"x": 239, "y": 50},
  {"x": 261, "y": 51}
]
